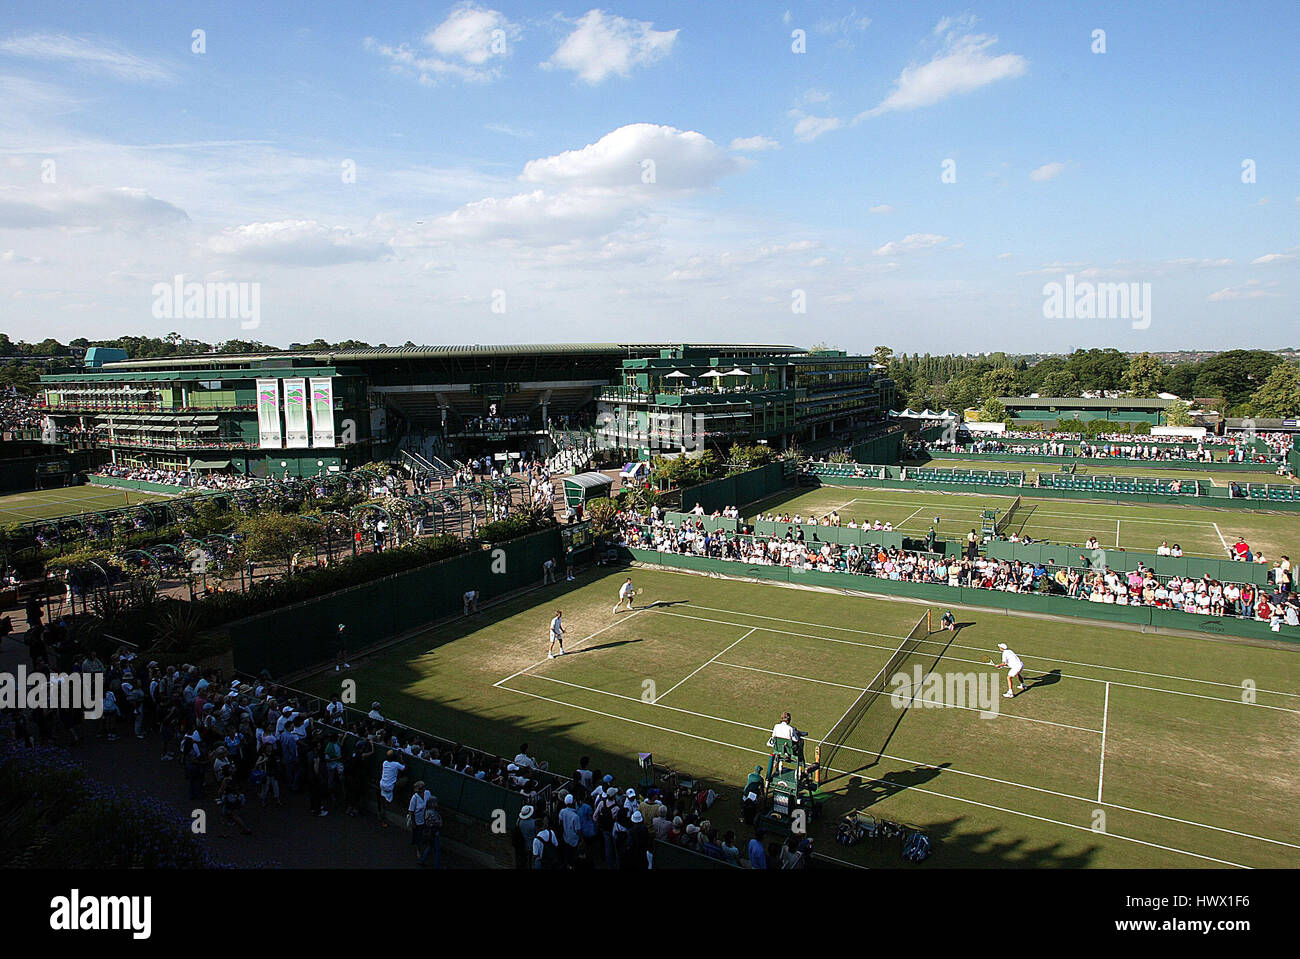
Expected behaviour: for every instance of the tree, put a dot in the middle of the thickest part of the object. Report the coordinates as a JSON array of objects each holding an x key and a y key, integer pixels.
[
  {"x": 1181, "y": 379},
  {"x": 882, "y": 355},
  {"x": 999, "y": 382},
  {"x": 1098, "y": 369},
  {"x": 1061, "y": 383},
  {"x": 275, "y": 537},
  {"x": 993, "y": 411},
  {"x": 1279, "y": 395},
  {"x": 1179, "y": 415},
  {"x": 1142, "y": 378},
  {"x": 1234, "y": 375}
]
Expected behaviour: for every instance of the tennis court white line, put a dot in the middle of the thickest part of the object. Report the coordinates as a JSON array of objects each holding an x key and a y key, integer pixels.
[
  {"x": 1221, "y": 539},
  {"x": 883, "y": 755},
  {"x": 1105, "y": 717},
  {"x": 705, "y": 663},
  {"x": 863, "y": 689},
  {"x": 901, "y": 786},
  {"x": 1117, "y": 534},
  {"x": 1067, "y": 662},
  {"x": 1087, "y": 679},
  {"x": 961, "y": 509},
  {"x": 574, "y": 646}
]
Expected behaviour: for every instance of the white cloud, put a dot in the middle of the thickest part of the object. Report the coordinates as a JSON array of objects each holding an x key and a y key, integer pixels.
[
  {"x": 460, "y": 48},
  {"x": 808, "y": 128},
  {"x": 965, "y": 64},
  {"x": 473, "y": 34},
  {"x": 843, "y": 28},
  {"x": 1047, "y": 171},
  {"x": 881, "y": 210},
  {"x": 97, "y": 55},
  {"x": 912, "y": 243},
  {"x": 13, "y": 256},
  {"x": 548, "y": 218},
  {"x": 88, "y": 209},
  {"x": 682, "y": 160},
  {"x": 295, "y": 243},
  {"x": 1273, "y": 258},
  {"x": 754, "y": 144},
  {"x": 1248, "y": 291},
  {"x": 603, "y": 44}
]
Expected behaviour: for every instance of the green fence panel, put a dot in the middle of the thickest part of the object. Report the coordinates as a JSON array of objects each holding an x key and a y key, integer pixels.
[{"x": 288, "y": 639}]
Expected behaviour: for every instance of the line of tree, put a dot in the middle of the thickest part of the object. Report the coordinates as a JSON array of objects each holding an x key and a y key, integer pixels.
[
  {"x": 22, "y": 363},
  {"x": 1255, "y": 383}
]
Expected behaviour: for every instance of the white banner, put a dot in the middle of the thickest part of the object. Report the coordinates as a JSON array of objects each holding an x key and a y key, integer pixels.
[
  {"x": 268, "y": 415},
  {"x": 322, "y": 411},
  {"x": 296, "y": 435}
]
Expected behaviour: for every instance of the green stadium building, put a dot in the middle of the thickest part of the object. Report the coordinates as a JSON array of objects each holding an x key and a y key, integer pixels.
[
  {"x": 1049, "y": 409},
  {"x": 305, "y": 412}
]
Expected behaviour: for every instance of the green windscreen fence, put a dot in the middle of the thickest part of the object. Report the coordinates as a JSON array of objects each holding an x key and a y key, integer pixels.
[
  {"x": 285, "y": 640},
  {"x": 879, "y": 449},
  {"x": 736, "y": 489}
]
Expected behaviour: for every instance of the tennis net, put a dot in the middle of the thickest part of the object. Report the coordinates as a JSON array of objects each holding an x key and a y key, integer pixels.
[
  {"x": 1008, "y": 517},
  {"x": 843, "y": 729}
]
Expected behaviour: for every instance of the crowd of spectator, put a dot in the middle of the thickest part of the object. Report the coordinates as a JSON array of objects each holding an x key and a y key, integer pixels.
[
  {"x": 1088, "y": 580},
  {"x": 19, "y": 412},
  {"x": 180, "y": 477},
  {"x": 1129, "y": 450}
]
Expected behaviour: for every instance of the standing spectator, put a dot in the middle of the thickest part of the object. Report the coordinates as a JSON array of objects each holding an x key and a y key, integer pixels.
[
  {"x": 522, "y": 837},
  {"x": 387, "y": 780},
  {"x": 418, "y": 808},
  {"x": 546, "y": 847},
  {"x": 570, "y": 831}
]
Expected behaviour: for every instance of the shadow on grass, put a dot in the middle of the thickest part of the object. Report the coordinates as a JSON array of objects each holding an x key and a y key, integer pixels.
[{"x": 563, "y": 726}]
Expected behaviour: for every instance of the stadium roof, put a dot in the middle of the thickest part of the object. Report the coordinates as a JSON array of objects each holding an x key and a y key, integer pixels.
[
  {"x": 1087, "y": 403},
  {"x": 438, "y": 352}
]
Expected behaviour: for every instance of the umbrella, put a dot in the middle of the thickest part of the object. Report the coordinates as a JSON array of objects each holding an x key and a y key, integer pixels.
[
  {"x": 714, "y": 373},
  {"x": 736, "y": 372},
  {"x": 676, "y": 375}
]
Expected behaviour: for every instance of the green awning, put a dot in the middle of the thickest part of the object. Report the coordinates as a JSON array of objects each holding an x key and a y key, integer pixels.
[{"x": 209, "y": 464}]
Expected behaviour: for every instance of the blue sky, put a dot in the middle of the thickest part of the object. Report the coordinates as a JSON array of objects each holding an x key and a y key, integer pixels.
[{"x": 664, "y": 171}]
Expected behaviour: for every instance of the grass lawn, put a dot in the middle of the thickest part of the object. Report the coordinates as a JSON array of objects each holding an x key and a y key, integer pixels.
[
  {"x": 67, "y": 501},
  {"x": 1200, "y": 530},
  {"x": 1127, "y": 750}
]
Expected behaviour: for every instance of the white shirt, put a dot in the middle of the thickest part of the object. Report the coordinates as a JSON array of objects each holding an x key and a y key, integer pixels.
[
  {"x": 1012, "y": 661},
  {"x": 557, "y": 628},
  {"x": 784, "y": 730},
  {"x": 388, "y": 778},
  {"x": 625, "y": 590}
]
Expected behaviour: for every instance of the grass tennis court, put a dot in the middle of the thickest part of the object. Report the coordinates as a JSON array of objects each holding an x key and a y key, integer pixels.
[
  {"x": 1163, "y": 471},
  {"x": 66, "y": 501},
  {"x": 1127, "y": 750},
  {"x": 1200, "y": 530}
]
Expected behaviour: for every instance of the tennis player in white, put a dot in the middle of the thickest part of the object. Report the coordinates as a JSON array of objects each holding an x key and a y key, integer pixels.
[
  {"x": 557, "y": 635},
  {"x": 625, "y": 594},
  {"x": 1014, "y": 668}
]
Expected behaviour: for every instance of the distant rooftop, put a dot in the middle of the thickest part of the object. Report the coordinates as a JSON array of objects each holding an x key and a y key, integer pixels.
[
  {"x": 476, "y": 350},
  {"x": 1085, "y": 403}
]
